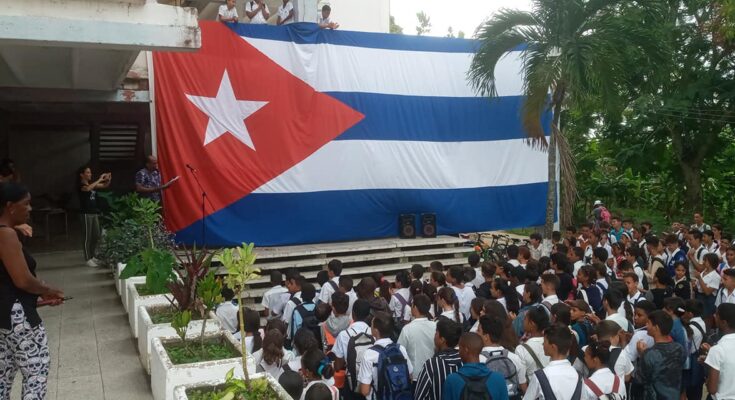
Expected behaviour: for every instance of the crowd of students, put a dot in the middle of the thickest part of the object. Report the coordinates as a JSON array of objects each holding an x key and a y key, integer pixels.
[{"x": 611, "y": 311}]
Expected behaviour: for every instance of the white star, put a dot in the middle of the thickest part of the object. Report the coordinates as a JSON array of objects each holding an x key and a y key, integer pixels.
[{"x": 226, "y": 113}]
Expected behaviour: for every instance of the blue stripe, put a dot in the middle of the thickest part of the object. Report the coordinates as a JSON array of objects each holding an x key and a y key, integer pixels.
[
  {"x": 309, "y": 33},
  {"x": 436, "y": 119},
  {"x": 280, "y": 219}
]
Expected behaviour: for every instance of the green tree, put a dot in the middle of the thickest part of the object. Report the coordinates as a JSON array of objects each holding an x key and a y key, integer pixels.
[
  {"x": 395, "y": 28},
  {"x": 424, "y": 25},
  {"x": 577, "y": 52}
]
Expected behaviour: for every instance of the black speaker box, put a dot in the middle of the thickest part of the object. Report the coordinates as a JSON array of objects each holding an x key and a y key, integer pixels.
[
  {"x": 428, "y": 225},
  {"x": 407, "y": 226}
]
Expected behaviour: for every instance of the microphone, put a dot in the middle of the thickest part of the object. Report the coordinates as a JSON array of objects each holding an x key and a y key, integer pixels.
[{"x": 192, "y": 169}]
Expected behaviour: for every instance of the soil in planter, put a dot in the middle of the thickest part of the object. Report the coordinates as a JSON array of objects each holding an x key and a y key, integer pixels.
[
  {"x": 259, "y": 390},
  {"x": 193, "y": 352},
  {"x": 164, "y": 315},
  {"x": 144, "y": 291}
]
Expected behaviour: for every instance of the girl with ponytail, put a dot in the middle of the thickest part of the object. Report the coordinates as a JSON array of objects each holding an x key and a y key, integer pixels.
[
  {"x": 251, "y": 326},
  {"x": 448, "y": 304},
  {"x": 317, "y": 369}
]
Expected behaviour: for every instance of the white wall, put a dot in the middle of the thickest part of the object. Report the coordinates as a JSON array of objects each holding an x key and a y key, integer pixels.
[{"x": 360, "y": 15}]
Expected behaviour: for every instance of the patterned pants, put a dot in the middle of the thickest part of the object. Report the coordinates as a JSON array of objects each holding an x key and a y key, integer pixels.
[{"x": 26, "y": 349}]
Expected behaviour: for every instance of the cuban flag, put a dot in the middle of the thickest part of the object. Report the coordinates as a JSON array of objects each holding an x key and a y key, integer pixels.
[{"x": 302, "y": 135}]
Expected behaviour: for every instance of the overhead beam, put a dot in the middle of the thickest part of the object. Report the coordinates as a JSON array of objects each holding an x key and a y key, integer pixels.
[{"x": 14, "y": 94}]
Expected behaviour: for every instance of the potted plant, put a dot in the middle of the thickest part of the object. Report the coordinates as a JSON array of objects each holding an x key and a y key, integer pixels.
[
  {"x": 157, "y": 266},
  {"x": 239, "y": 264}
]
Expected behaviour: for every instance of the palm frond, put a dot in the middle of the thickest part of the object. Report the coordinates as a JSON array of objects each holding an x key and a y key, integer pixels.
[
  {"x": 542, "y": 74},
  {"x": 504, "y": 21},
  {"x": 482, "y": 69}
]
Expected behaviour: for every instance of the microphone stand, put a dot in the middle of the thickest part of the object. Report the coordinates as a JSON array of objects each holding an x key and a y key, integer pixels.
[{"x": 204, "y": 199}]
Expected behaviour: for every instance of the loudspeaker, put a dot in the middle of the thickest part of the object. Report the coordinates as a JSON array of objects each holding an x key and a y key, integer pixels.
[
  {"x": 407, "y": 226},
  {"x": 428, "y": 225}
]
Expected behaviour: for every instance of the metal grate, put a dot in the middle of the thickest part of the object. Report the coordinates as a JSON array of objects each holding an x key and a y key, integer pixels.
[{"x": 118, "y": 142}]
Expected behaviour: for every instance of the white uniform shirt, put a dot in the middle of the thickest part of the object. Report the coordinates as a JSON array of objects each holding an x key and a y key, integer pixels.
[
  {"x": 631, "y": 352},
  {"x": 325, "y": 295},
  {"x": 352, "y": 296},
  {"x": 537, "y": 345},
  {"x": 724, "y": 296},
  {"x": 479, "y": 279},
  {"x": 227, "y": 314},
  {"x": 563, "y": 378},
  {"x": 465, "y": 296},
  {"x": 577, "y": 266},
  {"x": 621, "y": 321},
  {"x": 250, "y": 6},
  {"x": 225, "y": 13},
  {"x": 711, "y": 280},
  {"x": 396, "y": 307},
  {"x": 605, "y": 380},
  {"x": 284, "y": 10},
  {"x": 720, "y": 358},
  {"x": 288, "y": 312},
  {"x": 343, "y": 339},
  {"x": 450, "y": 314},
  {"x": 418, "y": 339},
  {"x": 274, "y": 299},
  {"x": 513, "y": 357},
  {"x": 368, "y": 373}
]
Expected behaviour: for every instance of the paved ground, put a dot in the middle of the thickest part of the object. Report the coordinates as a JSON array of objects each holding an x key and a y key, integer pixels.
[{"x": 93, "y": 354}]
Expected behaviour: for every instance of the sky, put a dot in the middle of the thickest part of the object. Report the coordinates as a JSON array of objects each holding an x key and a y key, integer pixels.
[{"x": 447, "y": 13}]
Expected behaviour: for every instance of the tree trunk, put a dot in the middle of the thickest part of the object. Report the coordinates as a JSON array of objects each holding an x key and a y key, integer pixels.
[
  {"x": 551, "y": 191},
  {"x": 692, "y": 174}
]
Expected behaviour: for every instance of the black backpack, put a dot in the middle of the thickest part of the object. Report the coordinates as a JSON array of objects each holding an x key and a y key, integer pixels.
[
  {"x": 475, "y": 387},
  {"x": 358, "y": 343},
  {"x": 308, "y": 320}
]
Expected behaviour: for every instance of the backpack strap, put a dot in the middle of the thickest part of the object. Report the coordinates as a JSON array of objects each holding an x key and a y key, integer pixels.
[
  {"x": 333, "y": 285},
  {"x": 539, "y": 365},
  {"x": 577, "y": 395},
  {"x": 614, "y": 355},
  {"x": 616, "y": 383},
  {"x": 699, "y": 328},
  {"x": 547, "y": 306},
  {"x": 594, "y": 388},
  {"x": 403, "y": 302},
  {"x": 543, "y": 382}
]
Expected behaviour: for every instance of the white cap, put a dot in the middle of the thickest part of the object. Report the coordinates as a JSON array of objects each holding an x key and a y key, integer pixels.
[{"x": 598, "y": 203}]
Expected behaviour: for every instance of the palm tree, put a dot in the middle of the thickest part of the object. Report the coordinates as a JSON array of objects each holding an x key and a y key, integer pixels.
[{"x": 576, "y": 51}]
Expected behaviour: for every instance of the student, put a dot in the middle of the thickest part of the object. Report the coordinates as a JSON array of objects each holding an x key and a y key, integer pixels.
[
  {"x": 720, "y": 380},
  {"x": 272, "y": 356},
  {"x": 324, "y": 21},
  {"x": 494, "y": 356},
  {"x": 474, "y": 261},
  {"x": 511, "y": 253},
  {"x": 582, "y": 328},
  {"x": 227, "y": 12},
  {"x": 446, "y": 360},
  {"x": 303, "y": 313},
  {"x": 640, "y": 321},
  {"x": 488, "y": 276},
  {"x": 532, "y": 351},
  {"x": 370, "y": 386},
  {"x": 257, "y": 11},
  {"x": 611, "y": 302},
  {"x": 345, "y": 286},
  {"x": 293, "y": 383},
  {"x": 535, "y": 245},
  {"x": 351, "y": 343},
  {"x": 438, "y": 280},
  {"x": 531, "y": 299},
  {"x": 657, "y": 262},
  {"x": 549, "y": 288},
  {"x": 334, "y": 271},
  {"x": 286, "y": 13},
  {"x": 476, "y": 309},
  {"x": 317, "y": 369},
  {"x": 707, "y": 283},
  {"x": 465, "y": 294},
  {"x": 303, "y": 341},
  {"x": 417, "y": 337},
  {"x": 661, "y": 289},
  {"x": 506, "y": 295},
  {"x": 494, "y": 309},
  {"x": 682, "y": 284},
  {"x": 694, "y": 375},
  {"x": 275, "y": 298},
  {"x": 610, "y": 331},
  {"x": 447, "y": 305},
  {"x": 674, "y": 307},
  {"x": 339, "y": 320},
  {"x": 696, "y": 252},
  {"x": 227, "y": 312},
  {"x": 367, "y": 290},
  {"x": 674, "y": 254},
  {"x": 401, "y": 298},
  {"x": 588, "y": 291},
  {"x": 563, "y": 271},
  {"x": 726, "y": 294},
  {"x": 632, "y": 254},
  {"x": 659, "y": 367},
  {"x": 251, "y": 326},
  {"x": 293, "y": 284},
  {"x": 567, "y": 384},
  {"x": 473, "y": 377},
  {"x": 417, "y": 272},
  {"x": 576, "y": 257},
  {"x": 635, "y": 294},
  {"x": 602, "y": 380}
]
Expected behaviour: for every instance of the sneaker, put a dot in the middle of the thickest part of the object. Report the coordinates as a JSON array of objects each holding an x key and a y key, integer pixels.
[{"x": 92, "y": 263}]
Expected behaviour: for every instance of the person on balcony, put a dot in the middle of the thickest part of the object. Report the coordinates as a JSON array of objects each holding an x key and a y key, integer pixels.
[{"x": 257, "y": 11}]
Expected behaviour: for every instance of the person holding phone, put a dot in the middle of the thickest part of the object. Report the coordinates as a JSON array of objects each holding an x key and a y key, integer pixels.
[
  {"x": 23, "y": 341},
  {"x": 89, "y": 210}
]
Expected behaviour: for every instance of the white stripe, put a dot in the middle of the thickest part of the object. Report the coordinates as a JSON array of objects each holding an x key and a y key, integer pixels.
[
  {"x": 375, "y": 164},
  {"x": 337, "y": 68}
]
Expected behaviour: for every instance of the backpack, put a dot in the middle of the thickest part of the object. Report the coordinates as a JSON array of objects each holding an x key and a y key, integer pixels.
[
  {"x": 614, "y": 395},
  {"x": 355, "y": 347},
  {"x": 394, "y": 379},
  {"x": 399, "y": 321},
  {"x": 475, "y": 387},
  {"x": 605, "y": 214},
  {"x": 498, "y": 361},
  {"x": 308, "y": 320},
  {"x": 543, "y": 381},
  {"x": 614, "y": 355}
]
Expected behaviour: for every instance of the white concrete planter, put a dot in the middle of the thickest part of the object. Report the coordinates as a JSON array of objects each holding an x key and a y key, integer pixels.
[
  {"x": 147, "y": 331},
  {"x": 124, "y": 290},
  {"x": 180, "y": 392},
  {"x": 165, "y": 376},
  {"x": 134, "y": 300},
  {"x": 119, "y": 283}
]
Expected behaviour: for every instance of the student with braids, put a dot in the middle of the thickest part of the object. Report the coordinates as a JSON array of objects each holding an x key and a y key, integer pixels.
[
  {"x": 602, "y": 380},
  {"x": 506, "y": 295},
  {"x": 447, "y": 305},
  {"x": 317, "y": 370}
]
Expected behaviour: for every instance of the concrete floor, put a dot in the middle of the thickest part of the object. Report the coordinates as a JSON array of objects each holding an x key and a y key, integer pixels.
[{"x": 93, "y": 354}]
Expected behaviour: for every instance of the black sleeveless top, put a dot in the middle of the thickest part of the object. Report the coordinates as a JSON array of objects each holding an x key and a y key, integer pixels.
[{"x": 9, "y": 295}]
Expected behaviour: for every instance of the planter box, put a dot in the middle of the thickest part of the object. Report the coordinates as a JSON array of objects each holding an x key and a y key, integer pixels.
[
  {"x": 119, "y": 283},
  {"x": 147, "y": 330},
  {"x": 134, "y": 300},
  {"x": 165, "y": 376},
  {"x": 124, "y": 290},
  {"x": 180, "y": 392}
]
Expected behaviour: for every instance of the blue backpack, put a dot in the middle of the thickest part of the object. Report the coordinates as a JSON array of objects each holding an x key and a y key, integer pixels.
[{"x": 394, "y": 379}]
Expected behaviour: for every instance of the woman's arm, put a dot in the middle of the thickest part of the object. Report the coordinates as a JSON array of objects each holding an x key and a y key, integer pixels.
[{"x": 15, "y": 263}]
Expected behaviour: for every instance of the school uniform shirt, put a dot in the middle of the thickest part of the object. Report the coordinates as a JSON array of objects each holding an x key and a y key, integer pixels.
[
  {"x": 434, "y": 373},
  {"x": 563, "y": 378},
  {"x": 713, "y": 248},
  {"x": 284, "y": 10},
  {"x": 450, "y": 314},
  {"x": 699, "y": 256},
  {"x": 520, "y": 288},
  {"x": 711, "y": 279},
  {"x": 418, "y": 339},
  {"x": 275, "y": 370},
  {"x": 720, "y": 358},
  {"x": 551, "y": 300},
  {"x": 724, "y": 296},
  {"x": 620, "y": 320},
  {"x": 638, "y": 296},
  {"x": 605, "y": 380},
  {"x": 494, "y": 383},
  {"x": 465, "y": 296},
  {"x": 352, "y": 296},
  {"x": 274, "y": 299},
  {"x": 343, "y": 339},
  {"x": 288, "y": 311},
  {"x": 397, "y": 309},
  {"x": 631, "y": 352},
  {"x": 250, "y": 6},
  {"x": 227, "y": 314},
  {"x": 325, "y": 295},
  {"x": 697, "y": 335},
  {"x": 513, "y": 357},
  {"x": 226, "y": 13},
  {"x": 577, "y": 266},
  {"x": 368, "y": 373},
  {"x": 537, "y": 346},
  {"x": 639, "y": 273},
  {"x": 479, "y": 279}
]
